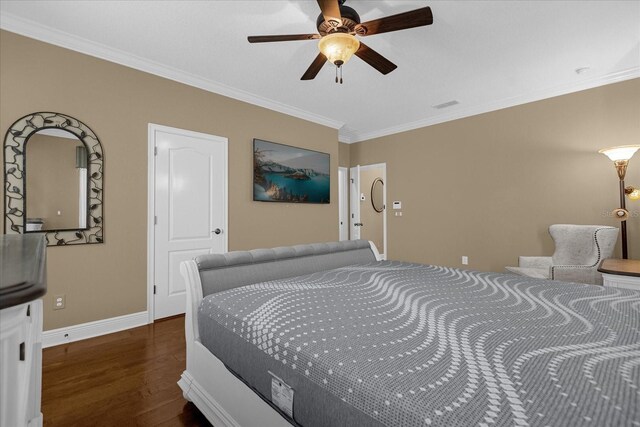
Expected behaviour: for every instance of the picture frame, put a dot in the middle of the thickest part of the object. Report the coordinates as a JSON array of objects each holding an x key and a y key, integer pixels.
[{"x": 287, "y": 174}]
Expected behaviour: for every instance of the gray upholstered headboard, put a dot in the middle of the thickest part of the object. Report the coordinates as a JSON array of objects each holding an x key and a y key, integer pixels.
[{"x": 219, "y": 272}]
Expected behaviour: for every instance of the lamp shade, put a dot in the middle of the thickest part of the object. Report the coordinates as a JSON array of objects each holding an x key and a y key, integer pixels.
[
  {"x": 338, "y": 47},
  {"x": 622, "y": 152}
]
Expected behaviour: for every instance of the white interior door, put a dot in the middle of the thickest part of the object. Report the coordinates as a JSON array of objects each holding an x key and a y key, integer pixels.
[
  {"x": 354, "y": 191},
  {"x": 190, "y": 208},
  {"x": 343, "y": 203}
]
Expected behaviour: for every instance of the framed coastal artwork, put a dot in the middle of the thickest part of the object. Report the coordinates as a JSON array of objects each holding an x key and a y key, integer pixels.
[{"x": 282, "y": 173}]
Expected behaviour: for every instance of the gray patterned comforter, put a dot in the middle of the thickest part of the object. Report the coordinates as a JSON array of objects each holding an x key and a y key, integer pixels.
[{"x": 417, "y": 345}]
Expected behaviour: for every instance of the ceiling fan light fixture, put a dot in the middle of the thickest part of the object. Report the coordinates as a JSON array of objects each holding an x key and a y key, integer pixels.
[
  {"x": 337, "y": 27},
  {"x": 338, "y": 47}
]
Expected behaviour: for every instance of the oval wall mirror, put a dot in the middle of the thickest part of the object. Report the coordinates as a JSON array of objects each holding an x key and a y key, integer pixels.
[
  {"x": 53, "y": 170},
  {"x": 377, "y": 195}
]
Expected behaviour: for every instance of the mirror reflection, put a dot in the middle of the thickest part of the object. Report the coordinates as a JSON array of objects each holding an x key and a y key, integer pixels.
[
  {"x": 56, "y": 181},
  {"x": 377, "y": 195}
]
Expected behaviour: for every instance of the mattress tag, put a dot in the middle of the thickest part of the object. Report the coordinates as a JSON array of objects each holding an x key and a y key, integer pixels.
[{"x": 281, "y": 395}]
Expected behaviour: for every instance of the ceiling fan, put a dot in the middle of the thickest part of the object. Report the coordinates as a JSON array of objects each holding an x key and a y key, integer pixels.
[{"x": 338, "y": 25}]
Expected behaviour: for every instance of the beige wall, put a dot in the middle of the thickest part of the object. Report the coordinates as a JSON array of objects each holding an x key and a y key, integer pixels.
[
  {"x": 344, "y": 157},
  {"x": 102, "y": 281},
  {"x": 53, "y": 183},
  {"x": 373, "y": 222},
  {"x": 488, "y": 186}
]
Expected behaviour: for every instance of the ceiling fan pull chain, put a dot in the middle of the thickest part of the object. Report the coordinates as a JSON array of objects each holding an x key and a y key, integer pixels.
[
  {"x": 340, "y": 75},
  {"x": 336, "y": 74}
]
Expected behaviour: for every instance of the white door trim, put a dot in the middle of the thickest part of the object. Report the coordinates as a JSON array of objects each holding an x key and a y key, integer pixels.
[
  {"x": 354, "y": 201},
  {"x": 341, "y": 199},
  {"x": 151, "y": 200},
  {"x": 384, "y": 196}
]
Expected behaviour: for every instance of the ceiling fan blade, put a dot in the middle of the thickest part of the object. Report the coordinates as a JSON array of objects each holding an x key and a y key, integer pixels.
[
  {"x": 282, "y": 38},
  {"x": 374, "y": 59},
  {"x": 315, "y": 67},
  {"x": 330, "y": 10},
  {"x": 401, "y": 21}
]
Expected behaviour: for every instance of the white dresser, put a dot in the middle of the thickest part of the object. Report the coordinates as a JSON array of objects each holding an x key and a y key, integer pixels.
[
  {"x": 621, "y": 273},
  {"x": 22, "y": 284}
]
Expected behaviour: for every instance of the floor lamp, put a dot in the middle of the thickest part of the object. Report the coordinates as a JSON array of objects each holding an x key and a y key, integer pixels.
[{"x": 620, "y": 157}]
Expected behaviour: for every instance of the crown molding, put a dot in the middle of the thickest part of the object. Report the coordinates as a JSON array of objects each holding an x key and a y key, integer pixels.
[
  {"x": 34, "y": 30},
  {"x": 343, "y": 138},
  {"x": 28, "y": 28},
  {"x": 460, "y": 113},
  {"x": 346, "y": 135}
]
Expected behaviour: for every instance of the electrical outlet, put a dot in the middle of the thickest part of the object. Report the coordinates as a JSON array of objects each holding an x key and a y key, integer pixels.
[
  {"x": 58, "y": 302},
  {"x": 465, "y": 260}
]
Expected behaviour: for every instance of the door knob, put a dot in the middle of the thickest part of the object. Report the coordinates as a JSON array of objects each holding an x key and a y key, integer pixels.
[{"x": 217, "y": 231}]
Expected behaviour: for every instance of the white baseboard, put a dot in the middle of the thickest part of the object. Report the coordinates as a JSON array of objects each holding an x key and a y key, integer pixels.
[{"x": 93, "y": 329}]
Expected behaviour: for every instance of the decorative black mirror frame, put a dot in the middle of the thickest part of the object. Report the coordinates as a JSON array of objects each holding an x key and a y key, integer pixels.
[
  {"x": 15, "y": 173},
  {"x": 373, "y": 186}
]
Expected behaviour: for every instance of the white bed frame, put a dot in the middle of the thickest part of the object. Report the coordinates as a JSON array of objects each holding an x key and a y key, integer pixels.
[{"x": 221, "y": 397}]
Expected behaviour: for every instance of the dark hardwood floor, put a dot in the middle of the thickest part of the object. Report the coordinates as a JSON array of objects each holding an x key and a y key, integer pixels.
[{"x": 123, "y": 379}]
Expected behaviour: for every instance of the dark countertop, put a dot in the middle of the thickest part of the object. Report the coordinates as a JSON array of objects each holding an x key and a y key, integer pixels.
[{"x": 22, "y": 268}]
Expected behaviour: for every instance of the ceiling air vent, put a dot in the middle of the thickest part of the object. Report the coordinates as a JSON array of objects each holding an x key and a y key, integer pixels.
[{"x": 446, "y": 104}]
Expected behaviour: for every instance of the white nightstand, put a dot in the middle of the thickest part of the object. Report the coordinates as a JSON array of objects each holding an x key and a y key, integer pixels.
[{"x": 621, "y": 273}]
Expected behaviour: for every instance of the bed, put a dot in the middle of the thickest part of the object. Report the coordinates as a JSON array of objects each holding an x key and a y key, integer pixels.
[{"x": 330, "y": 335}]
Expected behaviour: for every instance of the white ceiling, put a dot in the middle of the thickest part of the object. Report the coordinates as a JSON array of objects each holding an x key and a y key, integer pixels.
[{"x": 485, "y": 54}]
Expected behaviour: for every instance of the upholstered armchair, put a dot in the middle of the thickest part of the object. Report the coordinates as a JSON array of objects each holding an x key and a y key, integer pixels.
[{"x": 579, "y": 250}]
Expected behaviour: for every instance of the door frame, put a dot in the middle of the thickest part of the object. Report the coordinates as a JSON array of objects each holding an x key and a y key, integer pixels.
[
  {"x": 354, "y": 199},
  {"x": 151, "y": 200},
  {"x": 343, "y": 199},
  {"x": 384, "y": 196}
]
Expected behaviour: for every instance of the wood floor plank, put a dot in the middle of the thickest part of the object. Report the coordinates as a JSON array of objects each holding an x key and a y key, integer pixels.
[{"x": 124, "y": 379}]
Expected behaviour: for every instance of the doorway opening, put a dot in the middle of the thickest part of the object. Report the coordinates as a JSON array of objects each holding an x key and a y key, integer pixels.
[{"x": 368, "y": 202}]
